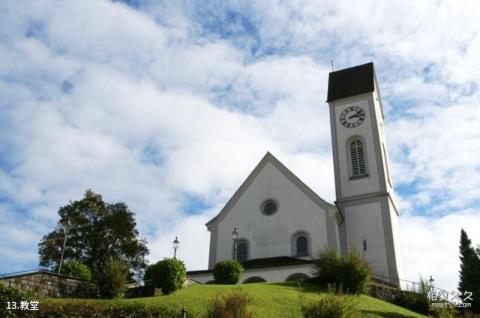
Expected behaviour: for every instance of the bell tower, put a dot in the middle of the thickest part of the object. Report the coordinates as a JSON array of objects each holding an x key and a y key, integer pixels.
[{"x": 363, "y": 185}]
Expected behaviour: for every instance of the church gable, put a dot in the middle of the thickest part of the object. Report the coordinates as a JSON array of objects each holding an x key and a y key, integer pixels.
[
  {"x": 276, "y": 215},
  {"x": 269, "y": 159}
]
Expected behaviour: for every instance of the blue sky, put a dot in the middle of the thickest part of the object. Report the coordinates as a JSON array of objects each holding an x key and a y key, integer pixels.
[{"x": 168, "y": 106}]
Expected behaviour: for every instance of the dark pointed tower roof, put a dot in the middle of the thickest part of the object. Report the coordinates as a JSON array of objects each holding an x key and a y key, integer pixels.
[{"x": 351, "y": 81}]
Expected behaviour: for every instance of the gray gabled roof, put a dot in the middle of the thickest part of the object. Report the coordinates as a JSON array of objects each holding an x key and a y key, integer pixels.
[{"x": 269, "y": 158}]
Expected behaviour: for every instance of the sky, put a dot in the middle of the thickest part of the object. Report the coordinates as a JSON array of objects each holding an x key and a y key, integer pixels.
[{"x": 168, "y": 105}]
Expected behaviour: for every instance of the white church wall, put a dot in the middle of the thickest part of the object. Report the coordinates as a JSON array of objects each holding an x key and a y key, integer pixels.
[
  {"x": 364, "y": 222},
  {"x": 270, "y": 274},
  {"x": 384, "y": 148},
  {"x": 278, "y": 274},
  {"x": 270, "y": 236},
  {"x": 357, "y": 186},
  {"x": 396, "y": 241}
]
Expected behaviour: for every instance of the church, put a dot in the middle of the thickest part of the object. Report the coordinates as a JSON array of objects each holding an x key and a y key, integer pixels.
[{"x": 274, "y": 224}]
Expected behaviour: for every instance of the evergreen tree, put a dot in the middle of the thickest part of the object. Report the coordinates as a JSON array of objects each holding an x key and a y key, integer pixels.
[{"x": 469, "y": 271}]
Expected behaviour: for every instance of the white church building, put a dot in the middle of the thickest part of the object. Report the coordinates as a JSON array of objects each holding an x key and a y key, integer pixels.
[{"x": 282, "y": 224}]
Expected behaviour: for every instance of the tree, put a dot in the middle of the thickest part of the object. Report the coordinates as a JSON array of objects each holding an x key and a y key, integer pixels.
[
  {"x": 77, "y": 269},
  {"x": 469, "y": 271},
  {"x": 96, "y": 231}
]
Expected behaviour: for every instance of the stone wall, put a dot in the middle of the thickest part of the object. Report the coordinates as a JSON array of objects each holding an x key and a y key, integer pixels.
[{"x": 47, "y": 284}]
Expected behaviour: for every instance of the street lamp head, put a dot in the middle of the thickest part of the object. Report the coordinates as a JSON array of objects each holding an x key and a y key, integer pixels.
[
  {"x": 235, "y": 234},
  {"x": 176, "y": 242}
]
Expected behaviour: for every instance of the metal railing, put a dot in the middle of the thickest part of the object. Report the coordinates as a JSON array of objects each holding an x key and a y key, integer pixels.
[{"x": 394, "y": 286}]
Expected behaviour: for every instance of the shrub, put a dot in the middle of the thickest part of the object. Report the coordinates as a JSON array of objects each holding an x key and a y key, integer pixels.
[
  {"x": 414, "y": 301},
  {"x": 465, "y": 314},
  {"x": 227, "y": 272},
  {"x": 77, "y": 269},
  {"x": 449, "y": 311},
  {"x": 12, "y": 294},
  {"x": 330, "y": 306},
  {"x": 327, "y": 267},
  {"x": 113, "y": 282},
  {"x": 233, "y": 305},
  {"x": 417, "y": 300},
  {"x": 351, "y": 274},
  {"x": 84, "y": 289},
  {"x": 142, "y": 291},
  {"x": 168, "y": 275},
  {"x": 80, "y": 309},
  {"x": 357, "y": 274}
]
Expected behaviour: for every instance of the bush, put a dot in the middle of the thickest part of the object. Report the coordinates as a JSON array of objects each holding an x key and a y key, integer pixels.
[
  {"x": 417, "y": 302},
  {"x": 464, "y": 314},
  {"x": 77, "y": 269},
  {"x": 351, "y": 274},
  {"x": 327, "y": 268},
  {"x": 168, "y": 275},
  {"x": 234, "y": 305},
  {"x": 80, "y": 309},
  {"x": 84, "y": 289},
  {"x": 12, "y": 294},
  {"x": 114, "y": 280},
  {"x": 330, "y": 306},
  {"x": 449, "y": 311},
  {"x": 357, "y": 274},
  {"x": 227, "y": 272}
]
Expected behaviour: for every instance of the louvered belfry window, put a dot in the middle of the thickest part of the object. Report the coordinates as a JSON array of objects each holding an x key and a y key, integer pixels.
[{"x": 357, "y": 152}]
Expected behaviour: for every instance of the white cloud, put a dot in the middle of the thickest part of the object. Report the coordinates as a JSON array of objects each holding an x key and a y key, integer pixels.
[
  {"x": 193, "y": 238},
  {"x": 437, "y": 149},
  {"x": 431, "y": 245}
]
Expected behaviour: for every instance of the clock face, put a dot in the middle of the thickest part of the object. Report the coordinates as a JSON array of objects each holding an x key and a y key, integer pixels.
[{"x": 352, "y": 117}]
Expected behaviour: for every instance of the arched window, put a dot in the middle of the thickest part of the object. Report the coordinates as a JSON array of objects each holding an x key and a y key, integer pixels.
[
  {"x": 358, "y": 158},
  {"x": 242, "y": 251},
  {"x": 301, "y": 246}
]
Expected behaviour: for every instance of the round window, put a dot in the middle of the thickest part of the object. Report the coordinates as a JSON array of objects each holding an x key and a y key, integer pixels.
[{"x": 269, "y": 207}]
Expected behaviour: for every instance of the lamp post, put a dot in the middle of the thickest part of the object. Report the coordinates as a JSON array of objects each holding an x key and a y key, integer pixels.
[
  {"x": 64, "y": 228},
  {"x": 176, "y": 243},
  {"x": 235, "y": 237}
]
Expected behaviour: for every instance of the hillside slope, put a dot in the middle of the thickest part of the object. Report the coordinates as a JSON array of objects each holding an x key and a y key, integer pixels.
[{"x": 268, "y": 300}]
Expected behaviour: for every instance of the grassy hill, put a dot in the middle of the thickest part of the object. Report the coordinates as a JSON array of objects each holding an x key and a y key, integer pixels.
[{"x": 269, "y": 300}]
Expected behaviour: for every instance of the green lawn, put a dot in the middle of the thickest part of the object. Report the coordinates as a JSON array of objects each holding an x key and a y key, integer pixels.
[{"x": 269, "y": 300}]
